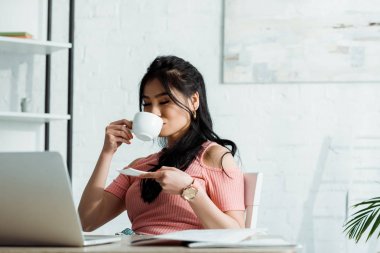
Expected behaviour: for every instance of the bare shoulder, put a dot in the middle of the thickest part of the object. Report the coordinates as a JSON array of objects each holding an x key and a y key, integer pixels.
[{"x": 218, "y": 156}]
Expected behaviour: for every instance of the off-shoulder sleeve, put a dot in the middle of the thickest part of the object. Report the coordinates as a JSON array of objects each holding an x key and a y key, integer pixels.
[
  {"x": 119, "y": 186},
  {"x": 226, "y": 188}
]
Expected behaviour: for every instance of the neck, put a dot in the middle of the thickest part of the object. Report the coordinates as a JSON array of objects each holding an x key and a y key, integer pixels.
[{"x": 172, "y": 139}]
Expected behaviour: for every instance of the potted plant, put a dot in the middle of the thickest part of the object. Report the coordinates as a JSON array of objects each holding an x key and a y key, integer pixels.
[{"x": 366, "y": 219}]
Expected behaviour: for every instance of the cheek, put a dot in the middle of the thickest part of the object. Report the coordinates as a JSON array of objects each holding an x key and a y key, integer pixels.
[
  {"x": 176, "y": 117},
  {"x": 173, "y": 112}
]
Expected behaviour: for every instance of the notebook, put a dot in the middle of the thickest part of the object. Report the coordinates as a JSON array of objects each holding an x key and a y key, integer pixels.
[{"x": 36, "y": 204}]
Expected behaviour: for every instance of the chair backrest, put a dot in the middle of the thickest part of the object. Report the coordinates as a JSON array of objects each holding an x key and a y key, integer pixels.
[{"x": 253, "y": 182}]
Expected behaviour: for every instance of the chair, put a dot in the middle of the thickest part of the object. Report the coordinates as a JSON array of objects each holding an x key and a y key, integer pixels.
[{"x": 253, "y": 182}]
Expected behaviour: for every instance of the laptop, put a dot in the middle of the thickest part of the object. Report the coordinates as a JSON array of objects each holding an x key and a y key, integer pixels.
[{"x": 36, "y": 203}]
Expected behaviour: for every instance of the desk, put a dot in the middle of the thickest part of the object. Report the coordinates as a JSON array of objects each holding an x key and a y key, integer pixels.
[{"x": 124, "y": 246}]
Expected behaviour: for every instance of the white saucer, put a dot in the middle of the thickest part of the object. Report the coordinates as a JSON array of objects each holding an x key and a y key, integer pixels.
[{"x": 131, "y": 172}]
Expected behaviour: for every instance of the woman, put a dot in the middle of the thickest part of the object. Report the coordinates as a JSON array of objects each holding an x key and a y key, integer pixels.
[{"x": 193, "y": 182}]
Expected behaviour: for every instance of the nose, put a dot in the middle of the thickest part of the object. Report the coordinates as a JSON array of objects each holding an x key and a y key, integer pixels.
[{"x": 156, "y": 110}]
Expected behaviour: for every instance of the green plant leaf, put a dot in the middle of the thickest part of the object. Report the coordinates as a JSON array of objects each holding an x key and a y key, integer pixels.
[
  {"x": 355, "y": 219},
  {"x": 366, "y": 222},
  {"x": 362, "y": 211},
  {"x": 369, "y": 221},
  {"x": 361, "y": 220},
  {"x": 374, "y": 227},
  {"x": 370, "y": 201}
]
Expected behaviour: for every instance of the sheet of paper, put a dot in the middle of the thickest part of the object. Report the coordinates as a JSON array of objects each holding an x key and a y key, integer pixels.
[
  {"x": 218, "y": 238},
  {"x": 210, "y": 235},
  {"x": 254, "y": 241}
]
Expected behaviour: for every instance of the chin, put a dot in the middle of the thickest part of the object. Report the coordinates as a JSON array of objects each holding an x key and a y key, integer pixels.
[{"x": 163, "y": 134}]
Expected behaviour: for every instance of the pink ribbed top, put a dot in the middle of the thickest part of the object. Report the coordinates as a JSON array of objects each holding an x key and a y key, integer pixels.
[{"x": 168, "y": 212}]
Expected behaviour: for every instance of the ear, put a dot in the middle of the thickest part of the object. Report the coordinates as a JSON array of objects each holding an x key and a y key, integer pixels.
[{"x": 195, "y": 100}]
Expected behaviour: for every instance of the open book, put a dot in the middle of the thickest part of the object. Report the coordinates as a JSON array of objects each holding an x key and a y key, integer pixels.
[{"x": 214, "y": 238}]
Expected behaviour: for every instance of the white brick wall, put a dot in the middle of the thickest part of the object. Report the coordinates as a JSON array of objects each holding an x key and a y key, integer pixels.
[
  {"x": 280, "y": 129},
  {"x": 303, "y": 137}
]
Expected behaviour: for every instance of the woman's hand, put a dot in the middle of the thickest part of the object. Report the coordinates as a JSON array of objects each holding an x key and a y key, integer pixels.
[
  {"x": 117, "y": 132},
  {"x": 172, "y": 180}
]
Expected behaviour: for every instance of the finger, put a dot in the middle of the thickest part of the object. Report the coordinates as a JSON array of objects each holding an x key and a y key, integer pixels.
[
  {"x": 122, "y": 122},
  {"x": 167, "y": 168},
  {"x": 128, "y": 131},
  {"x": 120, "y": 128},
  {"x": 154, "y": 175},
  {"x": 118, "y": 139},
  {"x": 120, "y": 133}
]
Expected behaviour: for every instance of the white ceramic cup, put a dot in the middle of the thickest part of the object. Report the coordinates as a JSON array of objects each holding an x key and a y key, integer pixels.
[{"x": 146, "y": 126}]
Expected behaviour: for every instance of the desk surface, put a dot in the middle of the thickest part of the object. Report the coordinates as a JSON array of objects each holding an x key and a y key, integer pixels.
[{"x": 124, "y": 246}]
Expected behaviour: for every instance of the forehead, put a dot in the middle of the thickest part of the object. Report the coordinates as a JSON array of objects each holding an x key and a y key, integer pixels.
[{"x": 154, "y": 87}]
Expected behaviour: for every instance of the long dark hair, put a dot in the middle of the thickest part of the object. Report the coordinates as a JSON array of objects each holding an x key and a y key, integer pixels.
[{"x": 174, "y": 72}]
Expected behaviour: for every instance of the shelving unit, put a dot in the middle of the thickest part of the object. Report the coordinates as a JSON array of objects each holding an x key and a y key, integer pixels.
[
  {"x": 32, "y": 117},
  {"x": 30, "y": 46},
  {"x": 40, "y": 47}
]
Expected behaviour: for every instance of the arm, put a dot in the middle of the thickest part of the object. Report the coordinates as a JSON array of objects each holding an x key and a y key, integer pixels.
[
  {"x": 96, "y": 206},
  {"x": 216, "y": 156},
  {"x": 211, "y": 216}
]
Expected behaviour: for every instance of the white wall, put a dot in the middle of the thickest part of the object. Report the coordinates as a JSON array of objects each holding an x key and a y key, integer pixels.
[
  {"x": 300, "y": 136},
  {"x": 314, "y": 142}
]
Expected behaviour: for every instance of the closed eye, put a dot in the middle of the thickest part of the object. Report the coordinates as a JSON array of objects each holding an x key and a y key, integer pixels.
[{"x": 161, "y": 103}]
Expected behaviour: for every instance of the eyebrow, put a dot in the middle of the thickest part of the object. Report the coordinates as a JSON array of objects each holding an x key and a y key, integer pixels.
[{"x": 158, "y": 95}]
